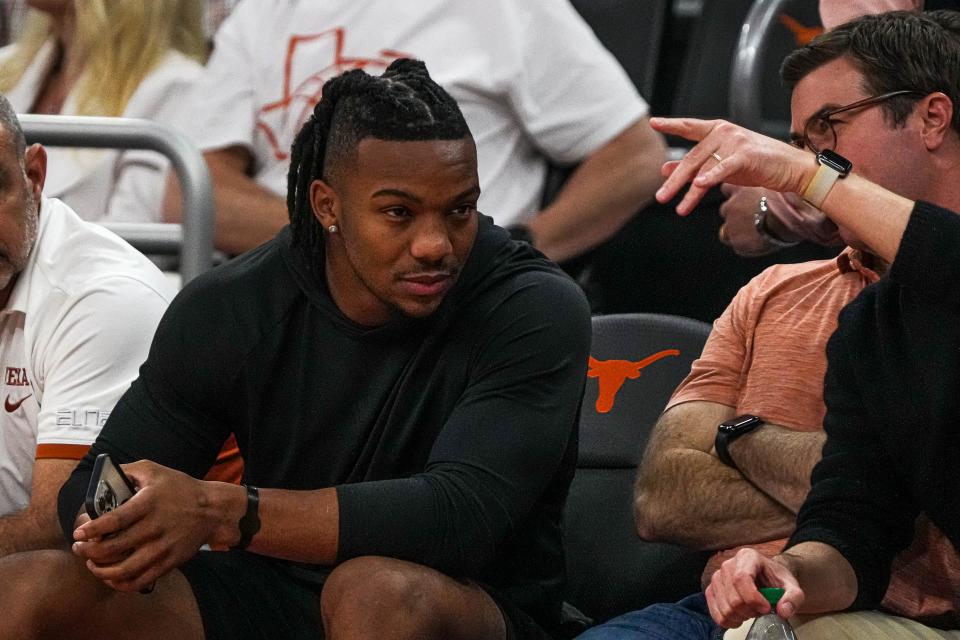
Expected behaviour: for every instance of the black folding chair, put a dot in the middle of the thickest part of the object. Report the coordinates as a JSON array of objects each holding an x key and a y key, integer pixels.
[{"x": 637, "y": 361}]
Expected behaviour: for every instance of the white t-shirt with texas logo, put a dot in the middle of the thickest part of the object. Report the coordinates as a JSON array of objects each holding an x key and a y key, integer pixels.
[
  {"x": 530, "y": 76},
  {"x": 75, "y": 330}
]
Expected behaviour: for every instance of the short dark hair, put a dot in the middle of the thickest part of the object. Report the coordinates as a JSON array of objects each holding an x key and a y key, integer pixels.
[
  {"x": 895, "y": 50},
  {"x": 403, "y": 104},
  {"x": 11, "y": 124}
]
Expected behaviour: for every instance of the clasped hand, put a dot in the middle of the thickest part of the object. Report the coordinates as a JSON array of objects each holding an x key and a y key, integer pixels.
[
  {"x": 733, "y": 597},
  {"x": 158, "y": 529},
  {"x": 798, "y": 220}
]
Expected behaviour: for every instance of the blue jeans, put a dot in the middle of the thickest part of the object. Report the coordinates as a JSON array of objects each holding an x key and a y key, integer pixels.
[{"x": 688, "y": 619}]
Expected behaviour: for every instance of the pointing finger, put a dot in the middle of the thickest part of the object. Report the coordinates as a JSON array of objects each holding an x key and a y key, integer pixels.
[{"x": 688, "y": 128}]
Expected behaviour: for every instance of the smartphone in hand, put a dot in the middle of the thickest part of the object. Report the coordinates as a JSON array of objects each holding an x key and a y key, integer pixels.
[{"x": 109, "y": 487}]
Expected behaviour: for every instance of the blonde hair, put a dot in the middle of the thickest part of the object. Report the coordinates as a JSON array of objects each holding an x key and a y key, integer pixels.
[{"x": 120, "y": 42}]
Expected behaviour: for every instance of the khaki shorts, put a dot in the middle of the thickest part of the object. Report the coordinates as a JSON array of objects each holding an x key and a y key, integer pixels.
[{"x": 859, "y": 625}]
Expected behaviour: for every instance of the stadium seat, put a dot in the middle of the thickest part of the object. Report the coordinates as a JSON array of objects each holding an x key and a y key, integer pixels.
[
  {"x": 637, "y": 360},
  {"x": 772, "y": 29},
  {"x": 704, "y": 87},
  {"x": 632, "y": 30}
]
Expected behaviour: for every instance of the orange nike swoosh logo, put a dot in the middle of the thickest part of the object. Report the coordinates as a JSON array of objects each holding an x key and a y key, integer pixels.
[{"x": 13, "y": 406}]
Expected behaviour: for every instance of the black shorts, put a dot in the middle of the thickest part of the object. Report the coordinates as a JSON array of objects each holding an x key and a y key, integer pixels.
[{"x": 243, "y": 596}]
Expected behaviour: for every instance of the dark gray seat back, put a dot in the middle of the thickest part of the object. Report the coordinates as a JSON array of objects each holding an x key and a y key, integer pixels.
[{"x": 610, "y": 570}]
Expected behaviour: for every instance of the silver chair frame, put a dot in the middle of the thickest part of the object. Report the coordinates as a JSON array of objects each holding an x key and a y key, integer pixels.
[
  {"x": 745, "y": 71},
  {"x": 194, "y": 238}
]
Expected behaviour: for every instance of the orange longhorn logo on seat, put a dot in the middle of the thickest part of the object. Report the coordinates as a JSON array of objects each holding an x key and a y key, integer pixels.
[
  {"x": 802, "y": 34},
  {"x": 613, "y": 373}
]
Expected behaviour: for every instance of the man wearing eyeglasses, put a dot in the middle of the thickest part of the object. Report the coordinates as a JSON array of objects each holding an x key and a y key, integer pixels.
[
  {"x": 759, "y": 221},
  {"x": 728, "y": 464}
]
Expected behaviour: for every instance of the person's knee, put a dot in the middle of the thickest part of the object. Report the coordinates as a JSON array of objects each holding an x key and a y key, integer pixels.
[
  {"x": 378, "y": 592},
  {"x": 34, "y": 590},
  {"x": 24, "y": 576}
]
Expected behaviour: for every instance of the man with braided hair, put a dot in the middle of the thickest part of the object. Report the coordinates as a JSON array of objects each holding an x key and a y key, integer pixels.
[{"x": 403, "y": 380}]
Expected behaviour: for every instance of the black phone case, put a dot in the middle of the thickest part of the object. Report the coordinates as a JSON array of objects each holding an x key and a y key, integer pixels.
[{"x": 91, "y": 500}]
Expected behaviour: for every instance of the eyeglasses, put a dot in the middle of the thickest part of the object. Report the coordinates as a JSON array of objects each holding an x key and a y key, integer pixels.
[{"x": 819, "y": 134}]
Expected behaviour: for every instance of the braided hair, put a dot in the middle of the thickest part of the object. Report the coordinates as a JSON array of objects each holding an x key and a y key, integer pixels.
[{"x": 403, "y": 104}]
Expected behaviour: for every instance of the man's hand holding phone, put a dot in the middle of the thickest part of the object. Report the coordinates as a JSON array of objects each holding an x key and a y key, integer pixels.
[{"x": 158, "y": 528}]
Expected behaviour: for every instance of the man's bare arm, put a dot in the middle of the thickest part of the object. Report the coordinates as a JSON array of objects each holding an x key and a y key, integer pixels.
[
  {"x": 603, "y": 193},
  {"x": 779, "y": 460},
  {"x": 36, "y": 527},
  {"x": 686, "y": 495},
  {"x": 247, "y": 215}
]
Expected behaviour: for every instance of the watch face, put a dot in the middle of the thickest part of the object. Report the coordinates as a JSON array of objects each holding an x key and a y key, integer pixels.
[
  {"x": 835, "y": 161},
  {"x": 740, "y": 423}
]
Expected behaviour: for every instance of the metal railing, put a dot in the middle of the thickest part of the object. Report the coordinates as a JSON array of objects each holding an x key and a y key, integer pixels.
[
  {"x": 746, "y": 69},
  {"x": 194, "y": 238}
]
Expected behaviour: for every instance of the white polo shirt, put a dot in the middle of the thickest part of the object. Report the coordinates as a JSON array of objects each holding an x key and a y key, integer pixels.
[{"x": 75, "y": 330}]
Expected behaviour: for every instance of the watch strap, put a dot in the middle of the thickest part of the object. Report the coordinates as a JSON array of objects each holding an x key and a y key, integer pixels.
[
  {"x": 820, "y": 185},
  {"x": 720, "y": 444},
  {"x": 833, "y": 166},
  {"x": 249, "y": 524}
]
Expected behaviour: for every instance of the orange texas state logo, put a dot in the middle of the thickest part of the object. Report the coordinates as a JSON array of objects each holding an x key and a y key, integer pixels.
[{"x": 613, "y": 373}]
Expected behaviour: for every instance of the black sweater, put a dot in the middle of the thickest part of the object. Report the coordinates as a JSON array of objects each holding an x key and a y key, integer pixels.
[
  {"x": 451, "y": 440},
  {"x": 893, "y": 409}
]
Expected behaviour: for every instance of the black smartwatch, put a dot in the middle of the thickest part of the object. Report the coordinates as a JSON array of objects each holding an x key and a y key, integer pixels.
[
  {"x": 729, "y": 431},
  {"x": 249, "y": 524},
  {"x": 833, "y": 167}
]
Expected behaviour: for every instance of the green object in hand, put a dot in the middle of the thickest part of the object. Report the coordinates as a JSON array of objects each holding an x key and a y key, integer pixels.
[{"x": 771, "y": 626}]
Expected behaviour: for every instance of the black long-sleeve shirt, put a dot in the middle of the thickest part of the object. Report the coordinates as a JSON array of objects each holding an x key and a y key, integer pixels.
[
  {"x": 892, "y": 391},
  {"x": 451, "y": 441}
]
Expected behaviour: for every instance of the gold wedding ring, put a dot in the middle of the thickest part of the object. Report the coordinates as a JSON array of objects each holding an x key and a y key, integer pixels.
[{"x": 716, "y": 156}]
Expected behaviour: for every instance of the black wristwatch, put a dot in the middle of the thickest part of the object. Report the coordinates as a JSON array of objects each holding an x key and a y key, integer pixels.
[
  {"x": 729, "y": 431},
  {"x": 250, "y": 522},
  {"x": 769, "y": 238}
]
